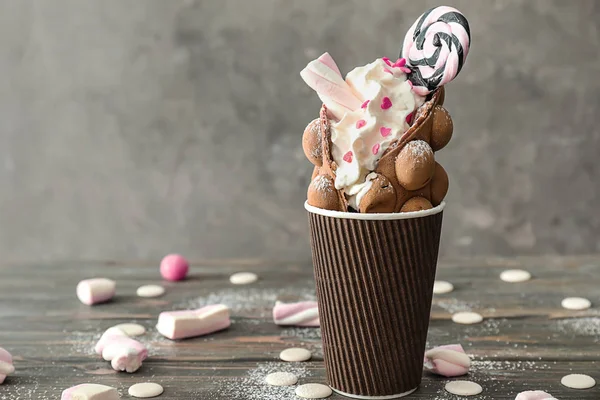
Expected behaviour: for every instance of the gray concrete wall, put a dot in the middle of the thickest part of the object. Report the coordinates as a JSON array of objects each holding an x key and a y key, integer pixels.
[{"x": 129, "y": 129}]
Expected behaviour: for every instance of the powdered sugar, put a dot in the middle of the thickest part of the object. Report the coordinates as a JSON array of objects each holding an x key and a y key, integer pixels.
[
  {"x": 302, "y": 333},
  {"x": 317, "y": 151},
  {"x": 254, "y": 387},
  {"x": 484, "y": 366},
  {"x": 446, "y": 116},
  {"x": 253, "y": 302},
  {"x": 322, "y": 183},
  {"x": 418, "y": 149},
  {"x": 157, "y": 344},
  {"x": 454, "y": 305},
  {"x": 83, "y": 343},
  {"x": 28, "y": 389},
  {"x": 79, "y": 343},
  {"x": 580, "y": 327},
  {"x": 309, "y": 338}
]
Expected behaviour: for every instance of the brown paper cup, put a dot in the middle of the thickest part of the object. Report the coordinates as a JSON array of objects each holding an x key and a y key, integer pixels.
[{"x": 374, "y": 275}]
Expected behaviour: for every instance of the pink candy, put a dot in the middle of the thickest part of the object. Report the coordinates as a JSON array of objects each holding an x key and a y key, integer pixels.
[
  {"x": 324, "y": 77},
  {"x": 385, "y": 131},
  {"x": 449, "y": 360},
  {"x": 6, "y": 364},
  {"x": 386, "y": 103},
  {"x": 174, "y": 267},
  {"x": 534, "y": 395},
  {"x": 400, "y": 63},
  {"x": 124, "y": 353},
  {"x": 348, "y": 157},
  {"x": 191, "y": 323},
  {"x": 305, "y": 313}
]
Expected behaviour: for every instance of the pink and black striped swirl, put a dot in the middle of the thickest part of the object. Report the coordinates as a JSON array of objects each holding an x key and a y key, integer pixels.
[{"x": 436, "y": 47}]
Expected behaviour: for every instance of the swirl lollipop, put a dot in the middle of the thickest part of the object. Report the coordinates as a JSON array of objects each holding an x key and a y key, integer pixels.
[{"x": 436, "y": 47}]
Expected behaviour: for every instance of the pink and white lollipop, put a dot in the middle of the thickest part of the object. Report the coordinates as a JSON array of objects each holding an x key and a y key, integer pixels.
[{"x": 436, "y": 47}]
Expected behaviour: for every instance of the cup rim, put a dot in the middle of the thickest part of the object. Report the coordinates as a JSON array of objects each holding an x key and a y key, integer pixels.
[{"x": 375, "y": 216}]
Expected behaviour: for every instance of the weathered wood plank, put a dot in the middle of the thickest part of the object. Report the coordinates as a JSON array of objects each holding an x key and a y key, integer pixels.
[
  {"x": 43, "y": 379},
  {"x": 523, "y": 338},
  {"x": 527, "y": 339}
]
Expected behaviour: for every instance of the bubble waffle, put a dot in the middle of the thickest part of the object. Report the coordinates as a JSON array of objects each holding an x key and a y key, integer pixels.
[{"x": 405, "y": 171}]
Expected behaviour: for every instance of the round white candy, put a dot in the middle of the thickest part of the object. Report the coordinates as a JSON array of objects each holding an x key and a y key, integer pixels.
[
  {"x": 515, "y": 275},
  {"x": 441, "y": 287},
  {"x": 467, "y": 318},
  {"x": 463, "y": 388},
  {"x": 295, "y": 354},
  {"x": 281, "y": 379},
  {"x": 243, "y": 278},
  {"x": 145, "y": 390},
  {"x": 576, "y": 303},
  {"x": 313, "y": 391},
  {"x": 150, "y": 291},
  {"x": 131, "y": 330},
  {"x": 578, "y": 381}
]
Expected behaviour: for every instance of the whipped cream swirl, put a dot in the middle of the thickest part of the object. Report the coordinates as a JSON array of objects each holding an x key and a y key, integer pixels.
[{"x": 362, "y": 136}]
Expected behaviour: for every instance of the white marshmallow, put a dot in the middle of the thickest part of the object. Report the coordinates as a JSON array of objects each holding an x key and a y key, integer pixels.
[
  {"x": 190, "y": 323},
  {"x": 90, "y": 391},
  {"x": 96, "y": 290}
]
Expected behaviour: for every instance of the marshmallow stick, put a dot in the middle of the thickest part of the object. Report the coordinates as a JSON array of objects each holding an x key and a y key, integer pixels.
[
  {"x": 324, "y": 77},
  {"x": 191, "y": 323},
  {"x": 6, "y": 364},
  {"x": 90, "y": 391},
  {"x": 124, "y": 353},
  {"x": 304, "y": 313},
  {"x": 329, "y": 62},
  {"x": 448, "y": 361},
  {"x": 97, "y": 290}
]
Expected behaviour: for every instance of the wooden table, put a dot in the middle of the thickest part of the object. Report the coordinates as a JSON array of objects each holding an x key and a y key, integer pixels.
[{"x": 526, "y": 342}]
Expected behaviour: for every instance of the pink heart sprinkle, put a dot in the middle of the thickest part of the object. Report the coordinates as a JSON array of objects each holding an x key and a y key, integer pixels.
[
  {"x": 385, "y": 131},
  {"x": 406, "y": 70},
  {"x": 387, "y": 61},
  {"x": 360, "y": 123},
  {"x": 401, "y": 62},
  {"x": 348, "y": 157},
  {"x": 386, "y": 103},
  {"x": 388, "y": 71},
  {"x": 375, "y": 149},
  {"x": 364, "y": 105},
  {"x": 409, "y": 118}
]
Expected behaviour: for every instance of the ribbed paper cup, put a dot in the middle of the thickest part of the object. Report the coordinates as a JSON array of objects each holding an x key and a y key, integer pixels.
[{"x": 374, "y": 276}]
